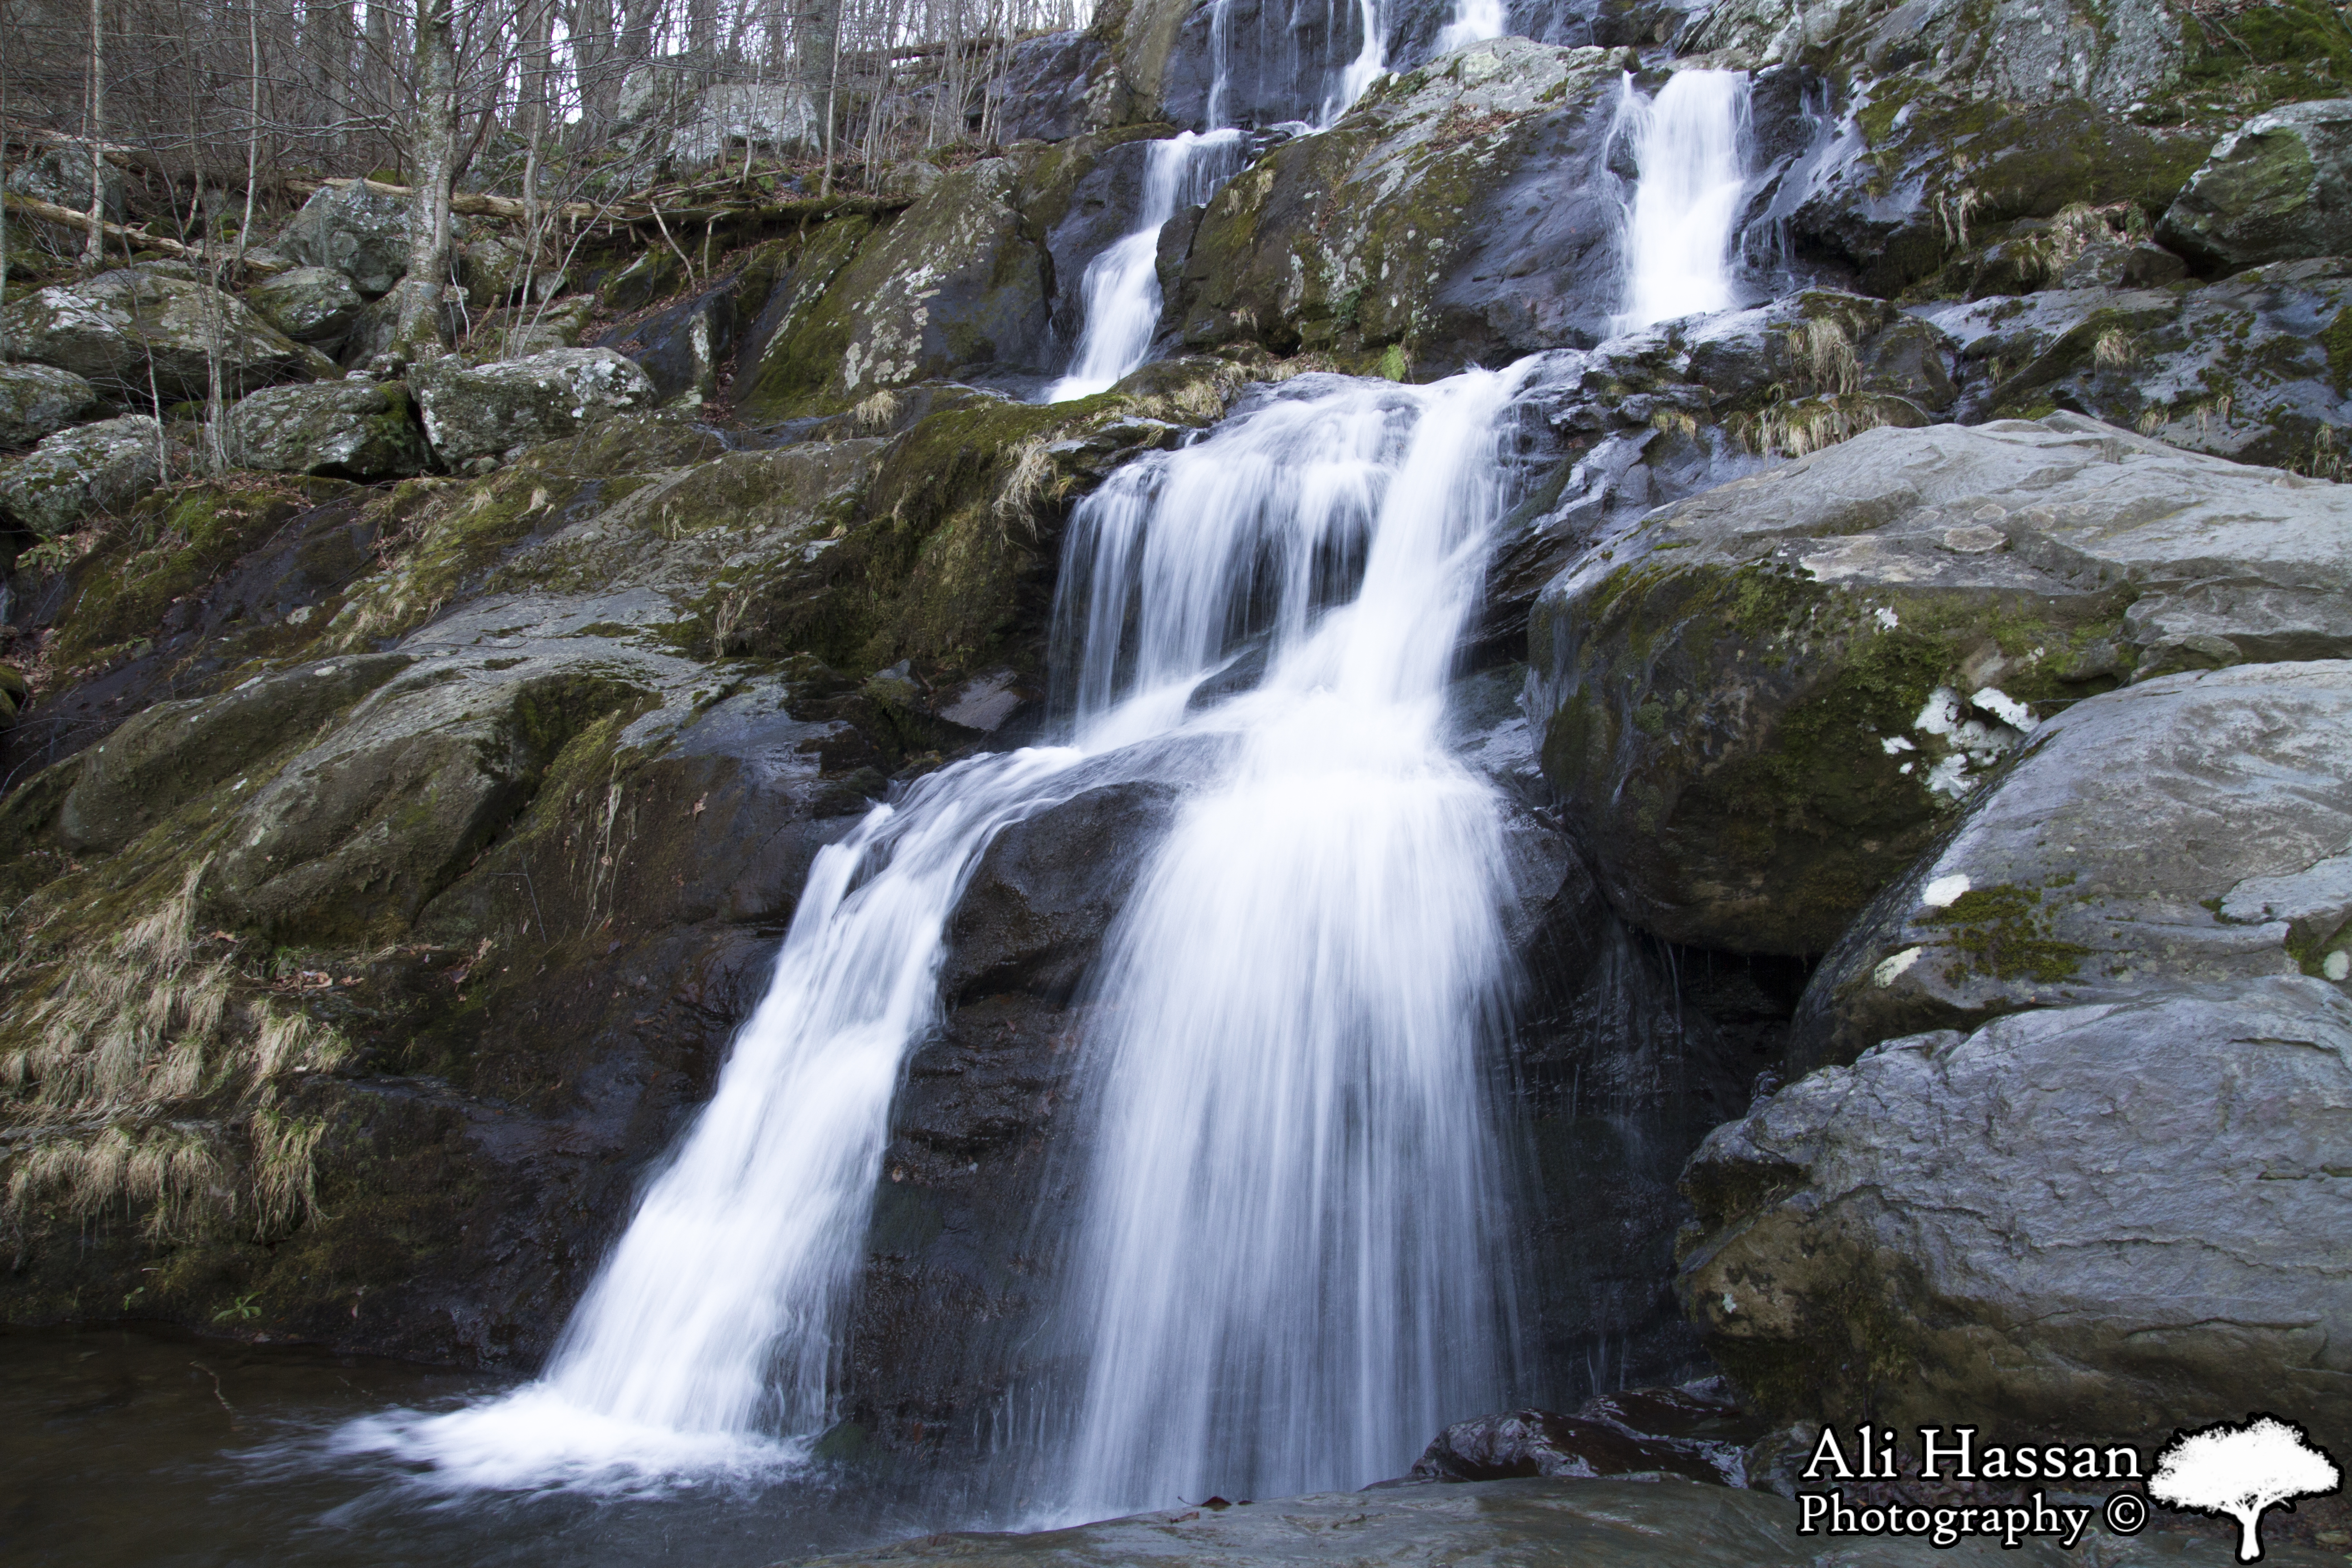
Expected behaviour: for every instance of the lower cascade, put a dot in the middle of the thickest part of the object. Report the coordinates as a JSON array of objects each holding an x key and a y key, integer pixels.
[{"x": 1287, "y": 1273}]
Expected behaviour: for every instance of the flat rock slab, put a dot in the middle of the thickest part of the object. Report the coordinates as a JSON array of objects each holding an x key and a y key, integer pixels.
[{"x": 1491, "y": 1524}]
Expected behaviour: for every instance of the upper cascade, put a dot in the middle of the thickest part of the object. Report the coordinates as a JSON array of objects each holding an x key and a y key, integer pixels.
[{"x": 1690, "y": 145}]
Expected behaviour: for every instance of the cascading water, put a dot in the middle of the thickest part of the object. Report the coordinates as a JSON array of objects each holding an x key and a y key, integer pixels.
[
  {"x": 1288, "y": 1253},
  {"x": 1287, "y": 1275},
  {"x": 1121, "y": 288},
  {"x": 1690, "y": 145},
  {"x": 1474, "y": 21}
]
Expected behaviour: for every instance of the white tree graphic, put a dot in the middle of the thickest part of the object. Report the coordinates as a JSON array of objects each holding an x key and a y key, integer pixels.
[{"x": 2240, "y": 1470}]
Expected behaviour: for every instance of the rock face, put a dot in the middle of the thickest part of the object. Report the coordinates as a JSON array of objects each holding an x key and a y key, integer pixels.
[
  {"x": 1763, "y": 703},
  {"x": 357, "y": 231},
  {"x": 122, "y": 328},
  {"x": 2278, "y": 188},
  {"x": 2112, "y": 1220},
  {"x": 1454, "y": 214},
  {"x": 313, "y": 305},
  {"x": 2234, "y": 866},
  {"x": 350, "y": 431},
  {"x": 92, "y": 468},
  {"x": 1602, "y": 1522},
  {"x": 1058, "y": 87},
  {"x": 1600, "y": 1440},
  {"x": 478, "y": 411},
  {"x": 36, "y": 399}
]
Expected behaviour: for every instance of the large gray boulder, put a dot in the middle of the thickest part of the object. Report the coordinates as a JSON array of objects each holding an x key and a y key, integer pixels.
[
  {"x": 309, "y": 304},
  {"x": 1763, "y": 702},
  {"x": 357, "y": 230},
  {"x": 36, "y": 399},
  {"x": 2276, "y": 189},
  {"x": 473, "y": 411},
  {"x": 2100, "y": 1222},
  {"x": 59, "y": 175},
  {"x": 90, "y": 469},
  {"x": 353, "y": 430},
  {"x": 2193, "y": 830},
  {"x": 137, "y": 330}
]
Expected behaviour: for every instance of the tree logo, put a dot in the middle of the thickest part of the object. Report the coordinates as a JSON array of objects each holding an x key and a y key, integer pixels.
[{"x": 2238, "y": 1470}]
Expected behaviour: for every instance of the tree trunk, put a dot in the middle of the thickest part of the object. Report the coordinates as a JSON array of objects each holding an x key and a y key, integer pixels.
[
  {"x": 93, "y": 254},
  {"x": 435, "y": 146}
]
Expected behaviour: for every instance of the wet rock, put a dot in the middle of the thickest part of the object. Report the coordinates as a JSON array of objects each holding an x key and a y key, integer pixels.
[
  {"x": 173, "y": 752},
  {"x": 350, "y": 431},
  {"x": 1058, "y": 87},
  {"x": 2101, "y": 1222},
  {"x": 1604, "y": 1438},
  {"x": 950, "y": 285},
  {"x": 134, "y": 333},
  {"x": 683, "y": 348},
  {"x": 356, "y": 229},
  {"x": 2188, "y": 831},
  {"x": 95, "y": 468},
  {"x": 1457, "y": 213},
  {"x": 36, "y": 399},
  {"x": 473, "y": 411},
  {"x": 1033, "y": 914},
  {"x": 2242, "y": 368},
  {"x": 310, "y": 304},
  {"x": 1763, "y": 703},
  {"x": 2278, "y": 188},
  {"x": 1603, "y": 1523}
]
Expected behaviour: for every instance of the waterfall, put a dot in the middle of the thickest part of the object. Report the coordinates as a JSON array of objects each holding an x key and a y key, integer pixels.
[
  {"x": 1689, "y": 145},
  {"x": 1474, "y": 21},
  {"x": 1121, "y": 288},
  {"x": 1289, "y": 1250},
  {"x": 1289, "y": 1274}
]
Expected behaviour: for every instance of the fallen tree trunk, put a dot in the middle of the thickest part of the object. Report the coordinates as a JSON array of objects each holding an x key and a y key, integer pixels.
[
  {"x": 473, "y": 204},
  {"x": 138, "y": 239}
]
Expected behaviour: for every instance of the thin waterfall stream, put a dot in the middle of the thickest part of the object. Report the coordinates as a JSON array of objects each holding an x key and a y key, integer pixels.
[{"x": 1681, "y": 221}]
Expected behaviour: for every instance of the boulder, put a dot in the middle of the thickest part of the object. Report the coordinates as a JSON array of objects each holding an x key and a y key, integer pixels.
[
  {"x": 356, "y": 834},
  {"x": 2254, "y": 367},
  {"x": 1695, "y": 1433},
  {"x": 2101, "y": 1223},
  {"x": 951, "y": 286},
  {"x": 353, "y": 430},
  {"x": 2278, "y": 188},
  {"x": 1458, "y": 213},
  {"x": 95, "y": 468},
  {"x": 1764, "y": 702},
  {"x": 135, "y": 329},
  {"x": 496, "y": 271},
  {"x": 374, "y": 331},
  {"x": 519, "y": 332},
  {"x": 2191, "y": 830},
  {"x": 59, "y": 175},
  {"x": 473, "y": 411},
  {"x": 14, "y": 695},
  {"x": 1056, "y": 87},
  {"x": 310, "y": 304},
  {"x": 1033, "y": 914},
  {"x": 356, "y": 229},
  {"x": 36, "y": 399}
]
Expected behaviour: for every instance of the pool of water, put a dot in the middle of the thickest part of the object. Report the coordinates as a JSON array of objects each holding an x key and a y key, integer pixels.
[{"x": 122, "y": 1446}]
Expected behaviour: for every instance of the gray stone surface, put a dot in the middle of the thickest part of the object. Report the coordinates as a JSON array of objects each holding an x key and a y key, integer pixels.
[
  {"x": 2191, "y": 830},
  {"x": 1530, "y": 1523},
  {"x": 1763, "y": 702},
  {"x": 310, "y": 304},
  {"x": 126, "y": 331},
  {"x": 472, "y": 411},
  {"x": 1056, "y": 87},
  {"x": 36, "y": 399},
  {"x": 2278, "y": 188},
  {"x": 2107, "y": 1221},
  {"x": 95, "y": 468},
  {"x": 354, "y": 431},
  {"x": 358, "y": 231}
]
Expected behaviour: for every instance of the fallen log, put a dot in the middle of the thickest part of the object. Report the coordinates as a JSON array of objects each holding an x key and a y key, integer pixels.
[
  {"x": 137, "y": 238},
  {"x": 473, "y": 204}
]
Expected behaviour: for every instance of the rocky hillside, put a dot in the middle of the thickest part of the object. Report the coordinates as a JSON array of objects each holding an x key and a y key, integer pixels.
[{"x": 1924, "y": 693}]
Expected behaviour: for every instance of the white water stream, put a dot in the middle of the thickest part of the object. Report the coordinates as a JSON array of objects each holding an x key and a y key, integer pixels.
[
  {"x": 1288, "y": 1255},
  {"x": 1690, "y": 145}
]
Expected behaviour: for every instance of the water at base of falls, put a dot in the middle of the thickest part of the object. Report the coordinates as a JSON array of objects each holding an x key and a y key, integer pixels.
[
  {"x": 1287, "y": 1275},
  {"x": 1121, "y": 288},
  {"x": 1690, "y": 145}
]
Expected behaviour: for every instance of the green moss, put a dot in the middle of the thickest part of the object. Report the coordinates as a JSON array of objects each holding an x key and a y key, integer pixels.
[{"x": 2005, "y": 933}]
